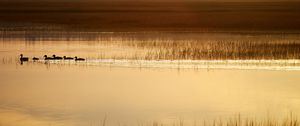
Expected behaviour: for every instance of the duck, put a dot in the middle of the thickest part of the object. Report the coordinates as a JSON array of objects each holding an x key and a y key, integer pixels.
[
  {"x": 79, "y": 59},
  {"x": 68, "y": 58},
  {"x": 48, "y": 58},
  {"x": 57, "y": 57},
  {"x": 23, "y": 58},
  {"x": 34, "y": 58}
]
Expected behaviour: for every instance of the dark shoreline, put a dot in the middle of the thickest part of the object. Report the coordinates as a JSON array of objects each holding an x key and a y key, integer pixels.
[{"x": 154, "y": 16}]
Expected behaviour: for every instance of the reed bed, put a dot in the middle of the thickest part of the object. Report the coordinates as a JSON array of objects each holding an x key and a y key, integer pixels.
[
  {"x": 219, "y": 50},
  {"x": 222, "y": 121},
  {"x": 236, "y": 122},
  {"x": 177, "y": 45},
  {"x": 220, "y": 47}
]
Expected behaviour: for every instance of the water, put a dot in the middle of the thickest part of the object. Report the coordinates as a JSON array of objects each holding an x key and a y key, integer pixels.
[
  {"x": 69, "y": 93},
  {"x": 79, "y": 95},
  {"x": 273, "y": 51}
]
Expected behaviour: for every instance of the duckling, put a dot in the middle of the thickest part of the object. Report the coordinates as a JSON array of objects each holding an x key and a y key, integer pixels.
[
  {"x": 68, "y": 58},
  {"x": 34, "y": 58},
  {"x": 79, "y": 59},
  {"x": 57, "y": 57},
  {"x": 23, "y": 58},
  {"x": 48, "y": 58}
]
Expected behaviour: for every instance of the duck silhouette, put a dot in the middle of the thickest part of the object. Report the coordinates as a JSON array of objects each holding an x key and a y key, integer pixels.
[
  {"x": 57, "y": 57},
  {"x": 35, "y": 59},
  {"x": 23, "y": 58},
  {"x": 48, "y": 58},
  {"x": 68, "y": 58},
  {"x": 79, "y": 59}
]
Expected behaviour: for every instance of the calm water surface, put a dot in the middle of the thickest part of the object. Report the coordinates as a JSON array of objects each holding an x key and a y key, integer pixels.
[
  {"x": 48, "y": 94},
  {"x": 80, "y": 95}
]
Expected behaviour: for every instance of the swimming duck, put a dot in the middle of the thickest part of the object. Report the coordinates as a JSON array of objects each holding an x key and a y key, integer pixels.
[
  {"x": 48, "y": 58},
  {"x": 34, "y": 58},
  {"x": 68, "y": 58},
  {"x": 79, "y": 59},
  {"x": 23, "y": 58},
  {"x": 57, "y": 57}
]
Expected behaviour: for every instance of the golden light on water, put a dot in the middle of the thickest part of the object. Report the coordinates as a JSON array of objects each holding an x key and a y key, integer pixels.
[
  {"x": 149, "y": 63},
  {"x": 82, "y": 93},
  {"x": 64, "y": 96}
]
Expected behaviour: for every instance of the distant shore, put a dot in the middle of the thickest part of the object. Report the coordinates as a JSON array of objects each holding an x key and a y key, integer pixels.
[{"x": 154, "y": 16}]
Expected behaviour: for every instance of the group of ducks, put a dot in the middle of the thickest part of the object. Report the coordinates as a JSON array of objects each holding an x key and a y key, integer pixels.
[{"x": 54, "y": 57}]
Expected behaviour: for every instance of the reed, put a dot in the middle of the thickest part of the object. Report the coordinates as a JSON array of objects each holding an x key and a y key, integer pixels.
[
  {"x": 218, "y": 49},
  {"x": 236, "y": 121},
  {"x": 174, "y": 45},
  {"x": 233, "y": 121}
]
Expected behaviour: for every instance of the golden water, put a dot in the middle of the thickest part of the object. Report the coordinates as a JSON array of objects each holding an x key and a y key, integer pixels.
[{"x": 66, "y": 93}]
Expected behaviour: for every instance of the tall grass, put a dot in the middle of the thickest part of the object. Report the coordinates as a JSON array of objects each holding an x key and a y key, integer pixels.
[
  {"x": 176, "y": 45},
  {"x": 238, "y": 120},
  {"x": 220, "y": 47},
  {"x": 219, "y": 50},
  {"x": 235, "y": 121}
]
